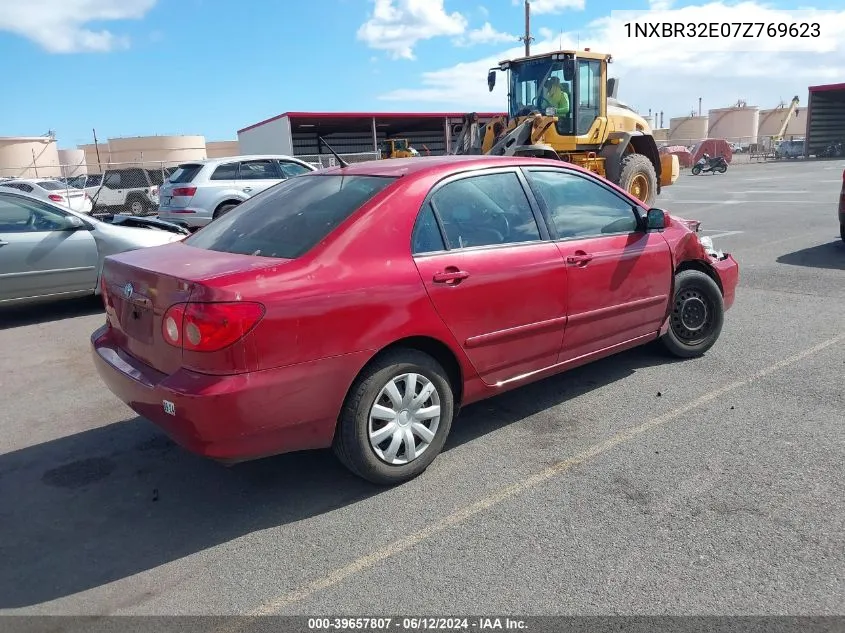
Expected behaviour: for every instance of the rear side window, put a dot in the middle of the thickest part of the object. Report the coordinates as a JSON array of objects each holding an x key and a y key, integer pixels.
[
  {"x": 228, "y": 171},
  {"x": 184, "y": 173},
  {"x": 291, "y": 218}
]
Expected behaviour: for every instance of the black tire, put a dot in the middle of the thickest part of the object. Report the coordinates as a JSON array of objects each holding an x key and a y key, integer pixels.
[
  {"x": 352, "y": 443},
  {"x": 697, "y": 315},
  {"x": 137, "y": 205},
  {"x": 223, "y": 209},
  {"x": 722, "y": 170},
  {"x": 696, "y": 169},
  {"x": 636, "y": 168}
]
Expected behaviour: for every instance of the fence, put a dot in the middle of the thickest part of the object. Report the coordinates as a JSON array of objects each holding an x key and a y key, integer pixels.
[{"x": 133, "y": 188}]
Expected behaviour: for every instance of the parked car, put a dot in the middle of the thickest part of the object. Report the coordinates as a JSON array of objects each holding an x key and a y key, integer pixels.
[
  {"x": 842, "y": 209},
  {"x": 199, "y": 191},
  {"x": 360, "y": 307},
  {"x": 53, "y": 191},
  {"x": 50, "y": 252},
  {"x": 790, "y": 149},
  {"x": 131, "y": 190}
]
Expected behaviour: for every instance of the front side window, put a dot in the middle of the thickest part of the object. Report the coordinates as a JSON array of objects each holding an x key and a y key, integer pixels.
[
  {"x": 290, "y": 169},
  {"x": 25, "y": 216},
  {"x": 289, "y": 219},
  {"x": 580, "y": 207},
  {"x": 542, "y": 85},
  {"x": 486, "y": 210}
]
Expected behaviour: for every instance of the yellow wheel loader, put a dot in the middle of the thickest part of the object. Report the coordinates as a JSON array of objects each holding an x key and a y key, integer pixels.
[
  {"x": 562, "y": 105},
  {"x": 397, "y": 148}
]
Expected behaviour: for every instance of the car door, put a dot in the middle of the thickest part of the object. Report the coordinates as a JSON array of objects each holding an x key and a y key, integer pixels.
[
  {"x": 38, "y": 256},
  {"x": 619, "y": 275},
  {"x": 254, "y": 176},
  {"x": 491, "y": 272}
]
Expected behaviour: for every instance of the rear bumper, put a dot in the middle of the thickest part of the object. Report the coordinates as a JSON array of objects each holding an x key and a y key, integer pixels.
[
  {"x": 186, "y": 216},
  {"x": 728, "y": 271},
  {"x": 237, "y": 417}
]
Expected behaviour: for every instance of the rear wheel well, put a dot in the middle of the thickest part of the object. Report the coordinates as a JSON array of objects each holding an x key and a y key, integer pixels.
[
  {"x": 703, "y": 267},
  {"x": 438, "y": 351},
  {"x": 225, "y": 203}
]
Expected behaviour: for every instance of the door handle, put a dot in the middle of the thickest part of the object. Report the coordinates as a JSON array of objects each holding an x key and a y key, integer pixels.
[
  {"x": 450, "y": 276},
  {"x": 247, "y": 189},
  {"x": 3, "y": 242},
  {"x": 579, "y": 257}
]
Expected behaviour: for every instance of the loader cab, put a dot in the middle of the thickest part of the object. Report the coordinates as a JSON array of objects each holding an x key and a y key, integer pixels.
[
  {"x": 582, "y": 77},
  {"x": 395, "y": 148}
]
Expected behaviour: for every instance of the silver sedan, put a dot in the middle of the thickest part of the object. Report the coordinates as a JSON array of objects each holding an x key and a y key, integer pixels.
[{"x": 51, "y": 252}]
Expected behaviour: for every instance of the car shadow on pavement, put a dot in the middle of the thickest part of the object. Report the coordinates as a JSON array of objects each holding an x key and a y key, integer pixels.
[
  {"x": 830, "y": 255},
  {"x": 99, "y": 506},
  {"x": 49, "y": 311}
]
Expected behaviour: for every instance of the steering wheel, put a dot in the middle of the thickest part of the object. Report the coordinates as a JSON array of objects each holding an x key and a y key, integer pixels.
[
  {"x": 504, "y": 226},
  {"x": 538, "y": 102}
]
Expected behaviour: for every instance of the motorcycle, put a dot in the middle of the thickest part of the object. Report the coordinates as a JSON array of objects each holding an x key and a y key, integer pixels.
[{"x": 717, "y": 165}]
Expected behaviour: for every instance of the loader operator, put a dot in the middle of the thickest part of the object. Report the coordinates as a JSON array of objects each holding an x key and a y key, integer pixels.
[{"x": 555, "y": 97}]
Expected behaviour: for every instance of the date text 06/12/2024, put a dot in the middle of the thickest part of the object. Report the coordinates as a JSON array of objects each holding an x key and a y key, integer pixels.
[
  {"x": 725, "y": 30},
  {"x": 416, "y": 624}
]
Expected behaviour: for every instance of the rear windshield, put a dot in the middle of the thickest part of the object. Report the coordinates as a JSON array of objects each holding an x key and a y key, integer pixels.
[
  {"x": 53, "y": 185},
  {"x": 290, "y": 218},
  {"x": 184, "y": 173}
]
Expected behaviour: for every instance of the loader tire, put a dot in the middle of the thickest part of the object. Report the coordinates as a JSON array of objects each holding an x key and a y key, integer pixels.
[{"x": 637, "y": 177}]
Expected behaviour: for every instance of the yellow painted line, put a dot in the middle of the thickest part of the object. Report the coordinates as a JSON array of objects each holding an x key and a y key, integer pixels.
[{"x": 459, "y": 516}]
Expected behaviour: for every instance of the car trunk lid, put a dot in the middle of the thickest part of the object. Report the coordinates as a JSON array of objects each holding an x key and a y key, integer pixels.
[{"x": 141, "y": 285}]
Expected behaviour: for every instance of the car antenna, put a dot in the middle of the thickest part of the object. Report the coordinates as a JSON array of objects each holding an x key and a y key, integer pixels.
[{"x": 342, "y": 162}]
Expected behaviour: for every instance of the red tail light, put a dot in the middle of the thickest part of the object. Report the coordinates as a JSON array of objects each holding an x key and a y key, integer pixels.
[
  {"x": 56, "y": 197},
  {"x": 184, "y": 191},
  {"x": 209, "y": 327}
]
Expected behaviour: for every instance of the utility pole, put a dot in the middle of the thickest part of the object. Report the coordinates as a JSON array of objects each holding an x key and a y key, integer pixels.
[{"x": 527, "y": 37}]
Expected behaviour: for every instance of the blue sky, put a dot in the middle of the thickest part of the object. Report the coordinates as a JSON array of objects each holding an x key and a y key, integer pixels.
[{"x": 210, "y": 67}]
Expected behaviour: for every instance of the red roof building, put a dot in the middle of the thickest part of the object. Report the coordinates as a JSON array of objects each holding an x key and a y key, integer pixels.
[{"x": 353, "y": 135}]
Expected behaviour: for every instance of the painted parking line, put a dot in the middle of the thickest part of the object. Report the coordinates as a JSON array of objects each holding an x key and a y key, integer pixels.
[
  {"x": 461, "y": 515},
  {"x": 718, "y": 234}
]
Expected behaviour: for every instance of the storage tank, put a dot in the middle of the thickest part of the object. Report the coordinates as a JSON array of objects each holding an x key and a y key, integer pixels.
[
  {"x": 29, "y": 157},
  {"x": 772, "y": 119},
  {"x": 149, "y": 150},
  {"x": 91, "y": 158},
  {"x": 737, "y": 124},
  {"x": 73, "y": 162},
  {"x": 222, "y": 149},
  {"x": 687, "y": 130}
]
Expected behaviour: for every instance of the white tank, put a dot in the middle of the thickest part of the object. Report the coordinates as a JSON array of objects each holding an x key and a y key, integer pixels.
[
  {"x": 73, "y": 162},
  {"x": 687, "y": 130},
  {"x": 149, "y": 150},
  {"x": 737, "y": 124},
  {"x": 29, "y": 157},
  {"x": 91, "y": 157},
  {"x": 222, "y": 149},
  {"x": 772, "y": 120}
]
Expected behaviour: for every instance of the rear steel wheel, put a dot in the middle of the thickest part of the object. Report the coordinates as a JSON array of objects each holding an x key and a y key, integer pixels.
[
  {"x": 396, "y": 417},
  {"x": 404, "y": 419}
]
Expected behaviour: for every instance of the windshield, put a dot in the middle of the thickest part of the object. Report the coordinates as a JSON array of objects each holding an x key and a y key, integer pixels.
[
  {"x": 536, "y": 84},
  {"x": 54, "y": 185},
  {"x": 290, "y": 218}
]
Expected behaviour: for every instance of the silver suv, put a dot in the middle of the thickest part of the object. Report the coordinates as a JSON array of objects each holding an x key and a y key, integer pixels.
[{"x": 200, "y": 191}]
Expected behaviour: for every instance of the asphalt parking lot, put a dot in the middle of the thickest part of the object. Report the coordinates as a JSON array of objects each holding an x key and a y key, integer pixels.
[{"x": 635, "y": 485}]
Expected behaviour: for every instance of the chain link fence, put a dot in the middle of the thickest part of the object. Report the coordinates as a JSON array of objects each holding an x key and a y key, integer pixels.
[{"x": 743, "y": 149}]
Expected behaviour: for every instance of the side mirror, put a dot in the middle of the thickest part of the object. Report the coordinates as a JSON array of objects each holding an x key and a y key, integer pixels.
[
  {"x": 72, "y": 223},
  {"x": 491, "y": 80},
  {"x": 655, "y": 220}
]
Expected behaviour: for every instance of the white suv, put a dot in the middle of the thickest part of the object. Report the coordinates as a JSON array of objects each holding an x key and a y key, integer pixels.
[{"x": 200, "y": 191}]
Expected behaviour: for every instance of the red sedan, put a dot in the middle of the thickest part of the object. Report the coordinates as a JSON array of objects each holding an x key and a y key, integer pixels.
[{"x": 359, "y": 307}]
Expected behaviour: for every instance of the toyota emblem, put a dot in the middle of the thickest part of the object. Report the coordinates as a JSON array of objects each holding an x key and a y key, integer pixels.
[{"x": 128, "y": 290}]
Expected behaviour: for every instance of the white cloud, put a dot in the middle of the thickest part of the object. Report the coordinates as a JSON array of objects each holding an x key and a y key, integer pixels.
[
  {"x": 483, "y": 11},
  {"x": 539, "y": 7},
  {"x": 58, "y": 26},
  {"x": 397, "y": 25},
  {"x": 485, "y": 35},
  {"x": 668, "y": 74}
]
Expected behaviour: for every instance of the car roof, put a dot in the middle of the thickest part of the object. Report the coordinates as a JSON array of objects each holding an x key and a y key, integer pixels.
[
  {"x": 438, "y": 165},
  {"x": 238, "y": 157}
]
